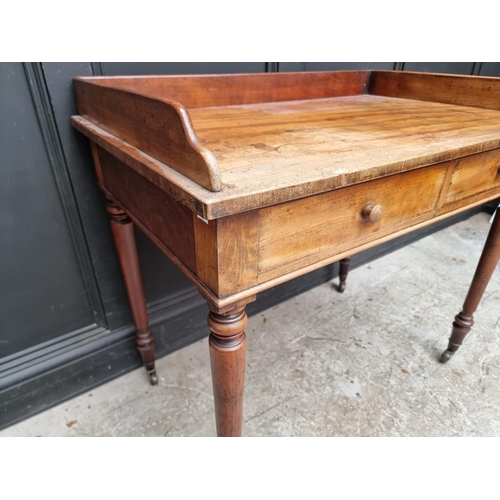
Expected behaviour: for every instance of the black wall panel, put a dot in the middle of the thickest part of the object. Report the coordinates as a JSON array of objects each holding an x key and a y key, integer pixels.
[
  {"x": 65, "y": 324},
  {"x": 489, "y": 69},
  {"x": 42, "y": 290},
  {"x": 88, "y": 197},
  {"x": 463, "y": 68},
  {"x": 332, "y": 66},
  {"x": 180, "y": 68}
]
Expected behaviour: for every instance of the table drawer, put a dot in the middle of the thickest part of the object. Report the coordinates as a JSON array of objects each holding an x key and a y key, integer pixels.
[
  {"x": 296, "y": 234},
  {"x": 473, "y": 175}
]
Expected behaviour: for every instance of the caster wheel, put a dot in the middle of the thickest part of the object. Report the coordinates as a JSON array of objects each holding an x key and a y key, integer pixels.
[
  {"x": 153, "y": 378},
  {"x": 341, "y": 287},
  {"x": 446, "y": 356}
]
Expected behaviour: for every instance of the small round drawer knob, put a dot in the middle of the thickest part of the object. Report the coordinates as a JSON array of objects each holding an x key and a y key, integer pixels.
[{"x": 373, "y": 213}]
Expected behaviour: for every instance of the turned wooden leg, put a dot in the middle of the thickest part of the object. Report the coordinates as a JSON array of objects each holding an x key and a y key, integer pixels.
[
  {"x": 123, "y": 234},
  {"x": 487, "y": 263},
  {"x": 344, "y": 270},
  {"x": 227, "y": 356}
]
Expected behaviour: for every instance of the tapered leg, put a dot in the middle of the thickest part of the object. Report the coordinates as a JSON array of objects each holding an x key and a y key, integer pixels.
[
  {"x": 344, "y": 270},
  {"x": 487, "y": 263},
  {"x": 227, "y": 356},
  {"x": 123, "y": 234}
]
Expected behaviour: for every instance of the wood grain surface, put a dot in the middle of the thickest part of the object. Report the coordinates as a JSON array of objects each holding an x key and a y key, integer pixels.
[
  {"x": 476, "y": 91},
  {"x": 473, "y": 175},
  {"x": 157, "y": 127},
  {"x": 171, "y": 222},
  {"x": 273, "y": 152},
  {"x": 298, "y": 233},
  {"x": 196, "y": 91}
]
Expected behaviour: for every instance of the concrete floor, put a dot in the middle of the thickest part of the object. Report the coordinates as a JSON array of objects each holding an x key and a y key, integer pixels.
[{"x": 324, "y": 364}]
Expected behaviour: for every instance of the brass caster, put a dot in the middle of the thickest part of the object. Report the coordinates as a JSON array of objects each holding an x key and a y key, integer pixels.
[
  {"x": 446, "y": 356},
  {"x": 341, "y": 287},
  {"x": 153, "y": 378}
]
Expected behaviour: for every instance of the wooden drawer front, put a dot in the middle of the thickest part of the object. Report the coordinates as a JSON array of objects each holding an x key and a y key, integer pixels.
[
  {"x": 299, "y": 233},
  {"x": 473, "y": 175}
]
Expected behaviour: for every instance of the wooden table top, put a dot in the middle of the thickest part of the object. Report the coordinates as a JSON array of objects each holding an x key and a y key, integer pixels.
[
  {"x": 240, "y": 154},
  {"x": 310, "y": 146}
]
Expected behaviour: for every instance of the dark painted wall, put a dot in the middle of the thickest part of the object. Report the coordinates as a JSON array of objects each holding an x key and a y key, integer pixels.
[
  {"x": 65, "y": 325},
  {"x": 43, "y": 294}
]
